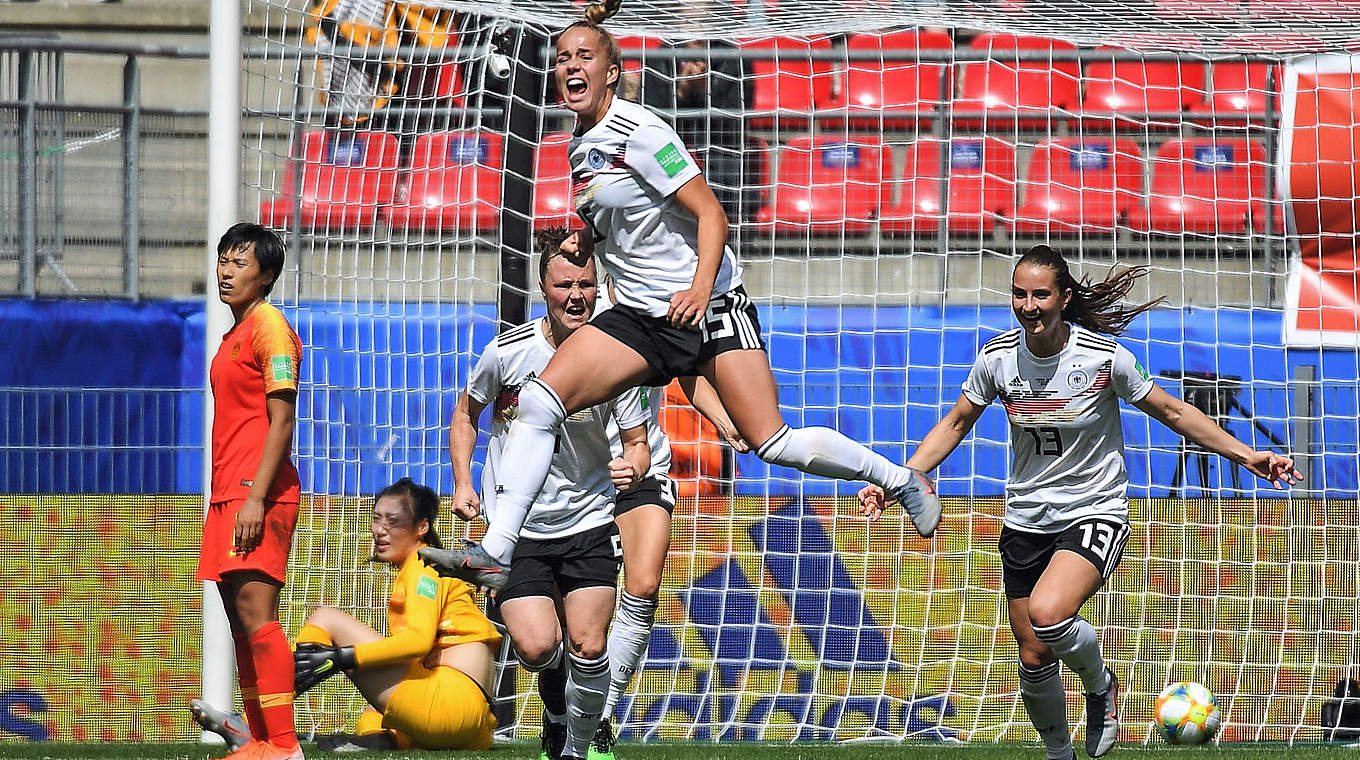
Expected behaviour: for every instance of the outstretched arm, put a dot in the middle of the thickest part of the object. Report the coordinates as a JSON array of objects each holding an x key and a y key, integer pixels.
[
  {"x": 940, "y": 442},
  {"x": 462, "y": 440},
  {"x": 704, "y": 397},
  {"x": 1190, "y": 422}
]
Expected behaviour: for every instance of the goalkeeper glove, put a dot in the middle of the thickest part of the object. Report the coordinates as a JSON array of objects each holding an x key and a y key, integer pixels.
[{"x": 314, "y": 663}]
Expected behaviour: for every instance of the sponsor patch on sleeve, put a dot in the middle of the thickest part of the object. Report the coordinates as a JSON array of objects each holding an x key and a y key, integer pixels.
[
  {"x": 1141, "y": 369},
  {"x": 281, "y": 369},
  {"x": 427, "y": 587},
  {"x": 671, "y": 160}
]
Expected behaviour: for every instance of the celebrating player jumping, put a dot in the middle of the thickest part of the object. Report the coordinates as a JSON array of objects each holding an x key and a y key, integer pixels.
[
  {"x": 681, "y": 309},
  {"x": 570, "y": 554},
  {"x": 1059, "y": 378}
]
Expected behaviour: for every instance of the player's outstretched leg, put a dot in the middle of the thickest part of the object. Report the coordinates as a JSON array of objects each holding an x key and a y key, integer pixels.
[
  {"x": 823, "y": 451},
  {"x": 229, "y": 726}
]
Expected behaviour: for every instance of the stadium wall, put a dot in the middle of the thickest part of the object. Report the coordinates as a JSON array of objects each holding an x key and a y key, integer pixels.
[{"x": 881, "y": 374}]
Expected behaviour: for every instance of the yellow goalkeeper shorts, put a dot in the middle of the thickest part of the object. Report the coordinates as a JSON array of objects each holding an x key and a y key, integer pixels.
[{"x": 440, "y": 709}]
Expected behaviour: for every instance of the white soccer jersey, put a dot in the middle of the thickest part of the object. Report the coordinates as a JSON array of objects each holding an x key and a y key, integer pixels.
[
  {"x": 624, "y": 174},
  {"x": 1067, "y": 444},
  {"x": 578, "y": 494}
]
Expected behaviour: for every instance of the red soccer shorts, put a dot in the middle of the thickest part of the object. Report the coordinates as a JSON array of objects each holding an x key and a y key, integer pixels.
[{"x": 218, "y": 556}]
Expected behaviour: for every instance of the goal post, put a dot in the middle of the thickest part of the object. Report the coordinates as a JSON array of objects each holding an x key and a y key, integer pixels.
[{"x": 882, "y": 165}]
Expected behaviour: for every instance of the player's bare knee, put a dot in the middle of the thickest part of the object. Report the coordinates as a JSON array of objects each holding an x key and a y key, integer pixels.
[
  {"x": 643, "y": 586},
  {"x": 537, "y": 654},
  {"x": 1045, "y": 613},
  {"x": 588, "y": 647},
  {"x": 1036, "y": 654}
]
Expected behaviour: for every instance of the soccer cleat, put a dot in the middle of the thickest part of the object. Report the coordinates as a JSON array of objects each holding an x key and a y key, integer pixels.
[
  {"x": 229, "y": 726},
  {"x": 469, "y": 562},
  {"x": 271, "y": 752},
  {"x": 602, "y": 746},
  {"x": 919, "y": 500},
  {"x": 1102, "y": 718},
  {"x": 553, "y": 739}
]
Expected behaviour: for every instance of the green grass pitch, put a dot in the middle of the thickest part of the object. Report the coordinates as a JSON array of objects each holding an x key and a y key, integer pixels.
[{"x": 676, "y": 751}]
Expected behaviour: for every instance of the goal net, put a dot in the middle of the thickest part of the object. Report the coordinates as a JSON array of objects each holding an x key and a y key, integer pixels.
[{"x": 882, "y": 164}]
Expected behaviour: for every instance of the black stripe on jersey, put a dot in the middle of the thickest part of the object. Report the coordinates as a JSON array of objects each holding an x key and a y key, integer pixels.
[
  {"x": 1002, "y": 342},
  {"x": 515, "y": 335},
  {"x": 621, "y": 125},
  {"x": 625, "y": 121},
  {"x": 1095, "y": 343}
]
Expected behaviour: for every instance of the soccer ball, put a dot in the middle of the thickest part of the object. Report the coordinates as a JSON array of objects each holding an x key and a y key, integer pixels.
[{"x": 1187, "y": 713}]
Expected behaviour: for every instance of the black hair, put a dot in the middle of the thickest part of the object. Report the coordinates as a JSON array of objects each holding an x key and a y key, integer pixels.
[
  {"x": 421, "y": 501},
  {"x": 1093, "y": 306},
  {"x": 260, "y": 241}
]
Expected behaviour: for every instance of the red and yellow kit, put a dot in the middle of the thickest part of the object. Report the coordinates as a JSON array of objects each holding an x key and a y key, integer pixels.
[
  {"x": 439, "y": 708},
  {"x": 260, "y": 356}
]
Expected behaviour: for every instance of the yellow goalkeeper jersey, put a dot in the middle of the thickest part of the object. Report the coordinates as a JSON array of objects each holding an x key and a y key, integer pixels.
[{"x": 426, "y": 612}]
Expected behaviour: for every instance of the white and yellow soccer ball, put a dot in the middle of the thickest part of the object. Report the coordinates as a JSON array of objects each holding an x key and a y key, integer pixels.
[{"x": 1187, "y": 713}]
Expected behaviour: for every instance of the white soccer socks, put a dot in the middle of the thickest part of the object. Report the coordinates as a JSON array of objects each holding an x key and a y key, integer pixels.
[
  {"x": 1075, "y": 642},
  {"x": 1041, "y": 690},
  {"x": 628, "y": 639},
  {"x": 587, "y": 684},
  {"x": 823, "y": 451},
  {"x": 528, "y": 454}
]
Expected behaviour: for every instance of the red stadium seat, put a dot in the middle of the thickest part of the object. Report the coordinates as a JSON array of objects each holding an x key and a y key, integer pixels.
[
  {"x": 1014, "y": 92},
  {"x": 1206, "y": 185},
  {"x": 553, "y": 205},
  {"x": 454, "y": 182},
  {"x": 898, "y": 81},
  {"x": 634, "y": 50},
  {"x": 1238, "y": 89},
  {"x": 790, "y": 81},
  {"x": 1121, "y": 94},
  {"x": 346, "y": 178},
  {"x": 827, "y": 185},
  {"x": 1074, "y": 185},
  {"x": 981, "y": 186}
]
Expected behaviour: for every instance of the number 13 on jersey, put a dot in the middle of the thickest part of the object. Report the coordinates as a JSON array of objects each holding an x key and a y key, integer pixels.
[{"x": 1047, "y": 441}]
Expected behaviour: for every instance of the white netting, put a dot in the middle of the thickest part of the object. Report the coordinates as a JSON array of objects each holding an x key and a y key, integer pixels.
[{"x": 880, "y": 179}]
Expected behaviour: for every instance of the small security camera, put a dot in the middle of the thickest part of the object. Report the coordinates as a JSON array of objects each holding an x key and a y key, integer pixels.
[{"x": 498, "y": 65}]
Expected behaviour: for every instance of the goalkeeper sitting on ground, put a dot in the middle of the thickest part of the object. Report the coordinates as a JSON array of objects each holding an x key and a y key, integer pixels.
[{"x": 426, "y": 682}]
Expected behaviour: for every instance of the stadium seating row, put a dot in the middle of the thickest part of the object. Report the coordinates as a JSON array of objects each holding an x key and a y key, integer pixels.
[
  {"x": 823, "y": 185},
  {"x": 1016, "y": 81}
]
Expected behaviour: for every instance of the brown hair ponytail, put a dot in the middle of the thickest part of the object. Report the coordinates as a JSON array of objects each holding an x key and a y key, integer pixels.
[{"x": 1093, "y": 306}]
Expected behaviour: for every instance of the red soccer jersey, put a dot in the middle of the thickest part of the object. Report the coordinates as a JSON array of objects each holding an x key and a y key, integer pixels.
[{"x": 257, "y": 357}]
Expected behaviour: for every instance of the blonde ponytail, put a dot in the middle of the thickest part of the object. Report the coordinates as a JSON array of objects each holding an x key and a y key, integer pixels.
[{"x": 598, "y": 13}]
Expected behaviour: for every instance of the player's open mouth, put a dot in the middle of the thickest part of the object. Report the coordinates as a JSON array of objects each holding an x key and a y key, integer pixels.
[{"x": 576, "y": 86}]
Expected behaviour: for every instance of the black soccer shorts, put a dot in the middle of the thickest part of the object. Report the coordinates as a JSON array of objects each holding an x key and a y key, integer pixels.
[{"x": 1025, "y": 555}]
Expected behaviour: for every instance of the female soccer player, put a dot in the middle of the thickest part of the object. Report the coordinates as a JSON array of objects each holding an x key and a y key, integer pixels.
[
  {"x": 253, "y": 508},
  {"x": 680, "y": 311},
  {"x": 1060, "y": 379},
  {"x": 426, "y": 682},
  {"x": 570, "y": 554}
]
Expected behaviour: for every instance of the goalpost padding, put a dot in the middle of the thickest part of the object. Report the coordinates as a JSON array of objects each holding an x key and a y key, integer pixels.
[{"x": 783, "y": 616}]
